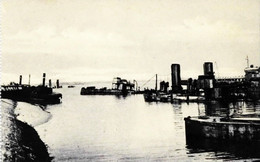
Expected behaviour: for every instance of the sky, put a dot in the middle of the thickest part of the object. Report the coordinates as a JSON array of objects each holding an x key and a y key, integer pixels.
[{"x": 97, "y": 40}]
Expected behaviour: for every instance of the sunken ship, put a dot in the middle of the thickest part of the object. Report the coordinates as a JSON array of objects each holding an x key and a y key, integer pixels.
[{"x": 119, "y": 87}]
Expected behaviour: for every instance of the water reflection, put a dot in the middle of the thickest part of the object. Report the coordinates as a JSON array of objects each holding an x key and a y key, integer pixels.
[
  {"x": 224, "y": 149},
  {"x": 121, "y": 96},
  {"x": 225, "y": 109}
]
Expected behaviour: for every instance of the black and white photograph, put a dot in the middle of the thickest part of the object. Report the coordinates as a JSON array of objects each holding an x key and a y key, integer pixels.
[{"x": 130, "y": 80}]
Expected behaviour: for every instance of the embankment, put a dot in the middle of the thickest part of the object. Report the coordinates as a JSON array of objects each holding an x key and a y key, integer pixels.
[{"x": 20, "y": 142}]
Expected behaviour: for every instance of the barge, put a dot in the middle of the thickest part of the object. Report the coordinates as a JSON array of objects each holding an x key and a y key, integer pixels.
[{"x": 237, "y": 129}]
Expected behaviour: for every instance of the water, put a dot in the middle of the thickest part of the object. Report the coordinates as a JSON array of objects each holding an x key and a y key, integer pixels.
[{"x": 110, "y": 128}]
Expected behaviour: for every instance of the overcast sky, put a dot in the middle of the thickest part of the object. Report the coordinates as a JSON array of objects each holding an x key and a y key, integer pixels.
[{"x": 92, "y": 40}]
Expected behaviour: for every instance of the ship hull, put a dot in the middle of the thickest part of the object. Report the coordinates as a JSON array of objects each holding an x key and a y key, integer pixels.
[{"x": 225, "y": 130}]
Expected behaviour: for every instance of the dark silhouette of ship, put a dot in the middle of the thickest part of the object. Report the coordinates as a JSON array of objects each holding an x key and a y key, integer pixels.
[
  {"x": 40, "y": 94},
  {"x": 207, "y": 87},
  {"x": 119, "y": 87}
]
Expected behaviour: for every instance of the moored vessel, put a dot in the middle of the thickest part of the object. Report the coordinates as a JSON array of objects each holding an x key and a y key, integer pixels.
[
  {"x": 223, "y": 128},
  {"x": 40, "y": 94}
]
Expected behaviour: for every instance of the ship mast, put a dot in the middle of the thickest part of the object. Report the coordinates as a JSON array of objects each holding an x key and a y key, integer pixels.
[
  {"x": 247, "y": 61},
  {"x": 29, "y": 79},
  {"x": 156, "y": 82}
]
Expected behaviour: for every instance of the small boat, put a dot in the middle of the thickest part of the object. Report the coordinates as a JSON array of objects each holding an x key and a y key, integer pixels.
[{"x": 151, "y": 96}]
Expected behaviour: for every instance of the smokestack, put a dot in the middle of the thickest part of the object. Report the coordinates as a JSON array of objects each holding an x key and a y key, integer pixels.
[
  {"x": 50, "y": 83},
  {"x": 58, "y": 83},
  {"x": 176, "y": 78},
  {"x": 208, "y": 68},
  {"x": 156, "y": 82},
  {"x": 20, "y": 80},
  {"x": 43, "y": 80},
  {"x": 162, "y": 85}
]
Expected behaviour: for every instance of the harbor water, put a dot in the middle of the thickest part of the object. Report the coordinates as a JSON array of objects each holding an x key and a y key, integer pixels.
[{"x": 112, "y": 128}]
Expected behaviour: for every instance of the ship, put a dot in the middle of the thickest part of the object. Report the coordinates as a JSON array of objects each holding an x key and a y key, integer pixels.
[
  {"x": 207, "y": 87},
  {"x": 40, "y": 94},
  {"x": 71, "y": 86},
  {"x": 236, "y": 128},
  {"x": 155, "y": 95},
  {"x": 119, "y": 87}
]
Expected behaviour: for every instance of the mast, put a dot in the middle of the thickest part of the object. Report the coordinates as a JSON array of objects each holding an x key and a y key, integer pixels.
[
  {"x": 156, "y": 82},
  {"x": 20, "y": 80},
  {"x": 29, "y": 79},
  {"x": 43, "y": 79},
  {"x": 247, "y": 61},
  {"x": 136, "y": 84}
]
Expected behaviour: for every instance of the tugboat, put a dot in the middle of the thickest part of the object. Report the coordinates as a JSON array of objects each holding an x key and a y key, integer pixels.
[
  {"x": 150, "y": 95},
  {"x": 154, "y": 95},
  {"x": 40, "y": 94}
]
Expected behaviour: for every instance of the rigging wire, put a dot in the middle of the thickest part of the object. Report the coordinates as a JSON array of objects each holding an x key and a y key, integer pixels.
[
  {"x": 148, "y": 81},
  {"x": 167, "y": 75}
]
